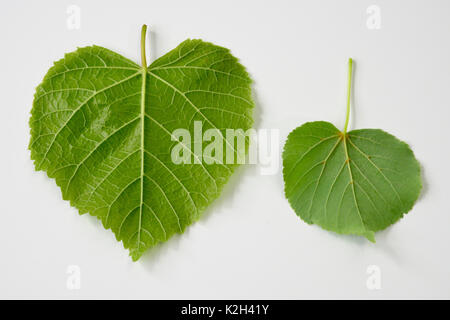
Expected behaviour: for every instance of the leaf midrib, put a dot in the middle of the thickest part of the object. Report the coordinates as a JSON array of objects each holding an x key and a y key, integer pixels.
[
  {"x": 142, "y": 115},
  {"x": 351, "y": 182}
]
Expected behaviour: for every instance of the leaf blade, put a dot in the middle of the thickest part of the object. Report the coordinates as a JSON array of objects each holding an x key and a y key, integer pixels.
[
  {"x": 102, "y": 127},
  {"x": 348, "y": 202}
]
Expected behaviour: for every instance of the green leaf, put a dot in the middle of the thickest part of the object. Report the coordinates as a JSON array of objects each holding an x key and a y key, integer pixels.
[
  {"x": 356, "y": 182},
  {"x": 102, "y": 127}
]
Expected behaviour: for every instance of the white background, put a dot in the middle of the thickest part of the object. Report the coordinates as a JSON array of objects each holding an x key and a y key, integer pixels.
[{"x": 250, "y": 243}]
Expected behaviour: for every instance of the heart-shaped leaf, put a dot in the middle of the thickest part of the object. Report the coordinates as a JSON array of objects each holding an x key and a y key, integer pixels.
[
  {"x": 102, "y": 127},
  {"x": 355, "y": 182}
]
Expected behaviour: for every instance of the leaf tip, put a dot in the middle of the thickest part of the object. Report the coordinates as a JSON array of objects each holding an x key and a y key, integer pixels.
[
  {"x": 135, "y": 255},
  {"x": 370, "y": 235}
]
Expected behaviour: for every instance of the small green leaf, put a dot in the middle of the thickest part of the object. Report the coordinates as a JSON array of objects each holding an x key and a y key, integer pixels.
[
  {"x": 102, "y": 127},
  {"x": 356, "y": 182}
]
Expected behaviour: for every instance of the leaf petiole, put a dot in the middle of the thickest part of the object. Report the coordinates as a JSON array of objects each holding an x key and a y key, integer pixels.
[
  {"x": 349, "y": 90},
  {"x": 143, "y": 58}
]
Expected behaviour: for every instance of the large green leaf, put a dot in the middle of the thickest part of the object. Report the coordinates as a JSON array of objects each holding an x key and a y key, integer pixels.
[
  {"x": 355, "y": 182},
  {"x": 102, "y": 127}
]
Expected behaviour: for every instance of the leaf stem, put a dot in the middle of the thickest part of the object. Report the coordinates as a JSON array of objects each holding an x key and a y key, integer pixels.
[
  {"x": 349, "y": 90},
  {"x": 143, "y": 58}
]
